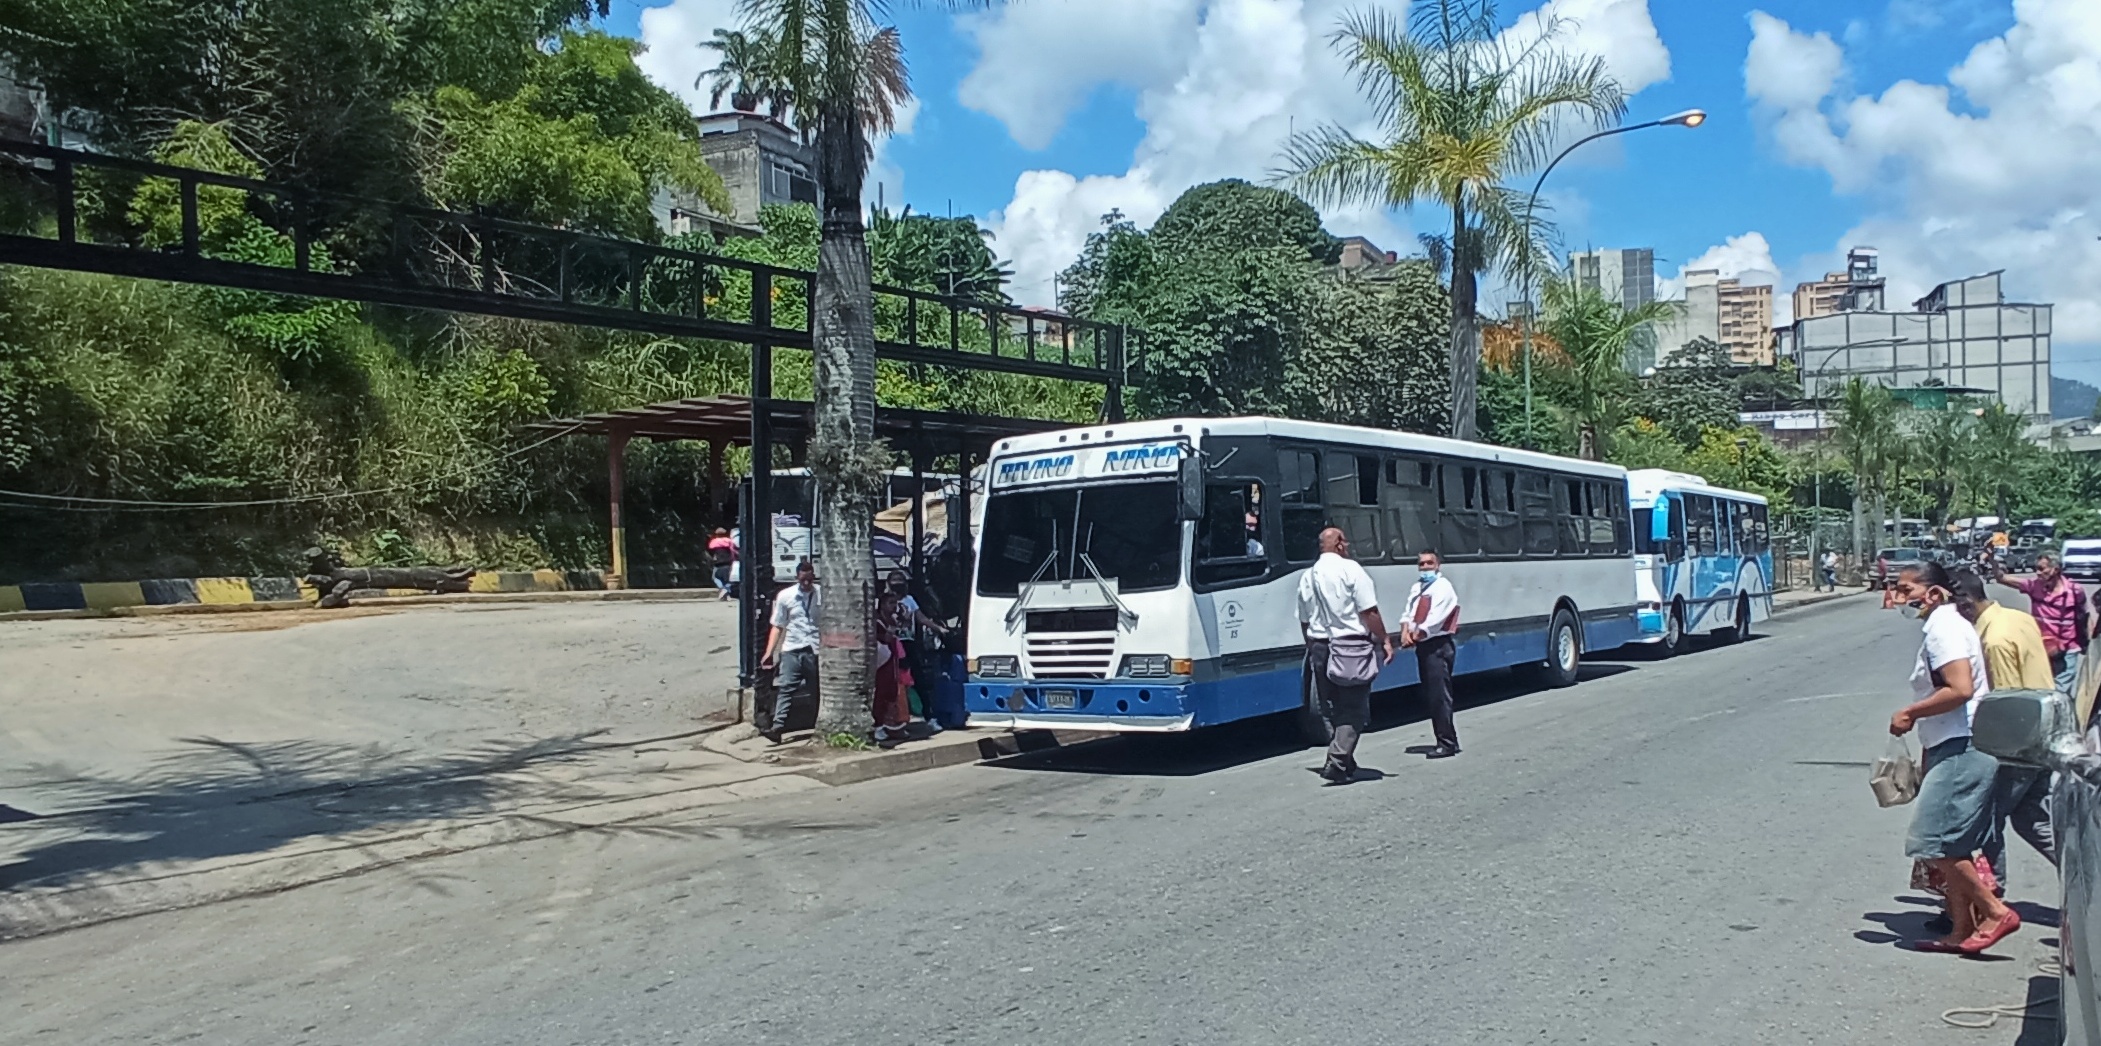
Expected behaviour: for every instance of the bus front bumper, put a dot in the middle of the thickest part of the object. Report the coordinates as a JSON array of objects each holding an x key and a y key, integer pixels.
[{"x": 1149, "y": 706}]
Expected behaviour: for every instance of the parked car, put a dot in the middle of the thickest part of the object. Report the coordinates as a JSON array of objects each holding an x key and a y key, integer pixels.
[
  {"x": 2040, "y": 728},
  {"x": 1890, "y": 560},
  {"x": 2081, "y": 559}
]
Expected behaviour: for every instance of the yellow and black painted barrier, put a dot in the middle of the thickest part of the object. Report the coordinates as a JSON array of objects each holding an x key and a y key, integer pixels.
[{"x": 225, "y": 591}]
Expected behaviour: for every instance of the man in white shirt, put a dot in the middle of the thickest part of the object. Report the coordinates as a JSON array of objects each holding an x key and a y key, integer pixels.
[
  {"x": 1336, "y": 600},
  {"x": 1429, "y": 630},
  {"x": 792, "y": 646}
]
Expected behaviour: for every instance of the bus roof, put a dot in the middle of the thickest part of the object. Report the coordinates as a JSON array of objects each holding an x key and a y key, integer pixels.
[
  {"x": 1643, "y": 485},
  {"x": 1291, "y": 428}
]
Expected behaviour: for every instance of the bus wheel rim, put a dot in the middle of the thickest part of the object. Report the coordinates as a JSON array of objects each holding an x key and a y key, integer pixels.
[{"x": 1565, "y": 647}]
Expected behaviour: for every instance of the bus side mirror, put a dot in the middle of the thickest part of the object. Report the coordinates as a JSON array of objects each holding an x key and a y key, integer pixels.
[
  {"x": 1190, "y": 506},
  {"x": 1660, "y": 520}
]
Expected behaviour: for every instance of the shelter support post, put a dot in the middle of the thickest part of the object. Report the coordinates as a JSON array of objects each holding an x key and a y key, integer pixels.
[{"x": 616, "y": 483}]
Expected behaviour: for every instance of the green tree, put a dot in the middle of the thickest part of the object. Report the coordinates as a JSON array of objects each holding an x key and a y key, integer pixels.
[
  {"x": 748, "y": 70},
  {"x": 1595, "y": 332},
  {"x": 585, "y": 141},
  {"x": 1691, "y": 391},
  {"x": 950, "y": 255},
  {"x": 1869, "y": 440},
  {"x": 1113, "y": 275},
  {"x": 1459, "y": 111},
  {"x": 1375, "y": 355},
  {"x": 2002, "y": 453},
  {"x": 1944, "y": 448}
]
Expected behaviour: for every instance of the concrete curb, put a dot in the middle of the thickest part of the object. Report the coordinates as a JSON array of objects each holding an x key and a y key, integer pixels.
[
  {"x": 422, "y": 599},
  {"x": 1810, "y": 601},
  {"x": 36, "y": 912}
]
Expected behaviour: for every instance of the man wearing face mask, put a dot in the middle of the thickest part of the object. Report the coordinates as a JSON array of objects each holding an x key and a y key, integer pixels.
[
  {"x": 1953, "y": 813},
  {"x": 1430, "y": 629}
]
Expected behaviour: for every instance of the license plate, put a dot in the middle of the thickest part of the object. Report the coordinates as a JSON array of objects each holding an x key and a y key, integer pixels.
[{"x": 1067, "y": 699}]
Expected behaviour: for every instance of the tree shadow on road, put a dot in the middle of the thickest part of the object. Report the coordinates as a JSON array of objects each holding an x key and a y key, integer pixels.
[
  {"x": 213, "y": 798},
  {"x": 1253, "y": 740}
]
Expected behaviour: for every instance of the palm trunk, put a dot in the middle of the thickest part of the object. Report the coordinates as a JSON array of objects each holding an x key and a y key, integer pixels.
[
  {"x": 1587, "y": 441},
  {"x": 842, "y": 333},
  {"x": 1466, "y": 332}
]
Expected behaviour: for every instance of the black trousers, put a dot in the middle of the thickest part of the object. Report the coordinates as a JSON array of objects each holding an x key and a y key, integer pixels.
[{"x": 1433, "y": 659}]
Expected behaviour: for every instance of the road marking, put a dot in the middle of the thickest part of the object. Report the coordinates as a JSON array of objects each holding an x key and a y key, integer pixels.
[
  {"x": 1711, "y": 715},
  {"x": 1825, "y": 697}
]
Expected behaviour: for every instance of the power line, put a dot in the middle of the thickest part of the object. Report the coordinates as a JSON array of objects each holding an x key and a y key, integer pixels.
[{"x": 73, "y": 503}]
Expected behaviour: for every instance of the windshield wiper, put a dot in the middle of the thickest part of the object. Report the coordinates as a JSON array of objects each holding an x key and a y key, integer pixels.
[
  {"x": 1028, "y": 588},
  {"x": 1125, "y": 616}
]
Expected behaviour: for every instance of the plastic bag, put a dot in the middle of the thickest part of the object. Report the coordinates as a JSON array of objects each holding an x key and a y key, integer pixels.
[{"x": 1895, "y": 777}]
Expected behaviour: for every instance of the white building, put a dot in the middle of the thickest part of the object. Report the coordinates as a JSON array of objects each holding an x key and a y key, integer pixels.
[{"x": 1964, "y": 334}]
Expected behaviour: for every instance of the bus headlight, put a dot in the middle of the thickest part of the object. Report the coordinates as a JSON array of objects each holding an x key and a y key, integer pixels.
[
  {"x": 1153, "y": 666},
  {"x": 996, "y": 666}
]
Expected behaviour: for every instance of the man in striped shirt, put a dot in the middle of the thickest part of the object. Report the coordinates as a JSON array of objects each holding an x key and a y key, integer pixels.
[{"x": 2059, "y": 606}]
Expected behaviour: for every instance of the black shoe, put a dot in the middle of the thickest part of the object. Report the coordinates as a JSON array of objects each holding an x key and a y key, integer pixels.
[
  {"x": 772, "y": 736},
  {"x": 1442, "y": 752},
  {"x": 1336, "y": 774}
]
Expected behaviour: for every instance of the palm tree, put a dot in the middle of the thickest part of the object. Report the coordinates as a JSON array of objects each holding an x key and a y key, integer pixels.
[
  {"x": 1461, "y": 108},
  {"x": 1595, "y": 332},
  {"x": 2002, "y": 453},
  {"x": 1868, "y": 438},
  {"x": 846, "y": 77},
  {"x": 1944, "y": 444},
  {"x": 746, "y": 71}
]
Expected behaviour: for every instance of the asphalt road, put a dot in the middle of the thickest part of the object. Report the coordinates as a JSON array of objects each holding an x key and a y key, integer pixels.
[{"x": 1675, "y": 852}]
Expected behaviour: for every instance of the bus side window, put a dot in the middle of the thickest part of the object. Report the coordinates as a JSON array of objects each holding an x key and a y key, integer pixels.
[
  {"x": 1459, "y": 521},
  {"x": 1535, "y": 502},
  {"x": 1761, "y": 536},
  {"x": 1575, "y": 524},
  {"x": 1303, "y": 512},
  {"x": 1410, "y": 508},
  {"x": 1501, "y": 533},
  {"x": 1606, "y": 511},
  {"x": 1230, "y": 543},
  {"x": 1699, "y": 523}
]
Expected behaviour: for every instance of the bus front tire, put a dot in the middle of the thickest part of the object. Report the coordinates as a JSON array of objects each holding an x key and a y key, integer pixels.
[
  {"x": 1564, "y": 652},
  {"x": 1673, "y": 642}
]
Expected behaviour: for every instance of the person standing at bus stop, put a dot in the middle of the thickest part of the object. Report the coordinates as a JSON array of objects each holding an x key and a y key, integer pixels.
[
  {"x": 791, "y": 645},
  {"x": 2059, "y": 606},
  {"x": 1337, "y": 600},
  {"x": 1431, "y": 630}
]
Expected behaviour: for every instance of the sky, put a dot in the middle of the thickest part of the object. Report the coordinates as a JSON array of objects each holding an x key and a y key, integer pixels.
[{"x": 1956, "y": 136}]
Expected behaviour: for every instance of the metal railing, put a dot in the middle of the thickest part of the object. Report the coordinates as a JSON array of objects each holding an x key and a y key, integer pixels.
[{"x": 67, "y": 209}]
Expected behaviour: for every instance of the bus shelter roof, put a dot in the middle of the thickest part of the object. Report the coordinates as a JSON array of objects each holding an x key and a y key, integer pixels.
[{"x": 727, "y": 420}]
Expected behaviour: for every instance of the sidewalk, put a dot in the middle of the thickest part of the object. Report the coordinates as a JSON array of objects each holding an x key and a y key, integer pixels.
[{"x": 208, "y": 839}]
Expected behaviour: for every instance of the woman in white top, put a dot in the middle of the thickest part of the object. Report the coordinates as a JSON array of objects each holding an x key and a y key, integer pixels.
[{"x": 1953, "y": 812}]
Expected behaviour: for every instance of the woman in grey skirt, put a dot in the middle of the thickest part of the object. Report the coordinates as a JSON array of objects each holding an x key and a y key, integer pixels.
[{"x": 1954, "y": 806}]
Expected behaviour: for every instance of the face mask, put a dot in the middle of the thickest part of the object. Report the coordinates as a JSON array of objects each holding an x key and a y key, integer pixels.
[
  {"x": 1912, "y": 609},
  {"x": 1427, "y": 576}
]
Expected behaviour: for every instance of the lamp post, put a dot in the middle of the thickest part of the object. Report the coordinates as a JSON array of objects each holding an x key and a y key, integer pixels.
[{"x": 1689, "y": 118}]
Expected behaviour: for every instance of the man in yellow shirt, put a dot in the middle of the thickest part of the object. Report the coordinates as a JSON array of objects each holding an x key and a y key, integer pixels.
[{"x": 2014, "y": 659}]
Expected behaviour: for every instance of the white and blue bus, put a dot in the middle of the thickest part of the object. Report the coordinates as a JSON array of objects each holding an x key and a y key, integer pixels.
[
  {"x": 1703, "y": 558},
  {"x": 1143, "y": 576}
]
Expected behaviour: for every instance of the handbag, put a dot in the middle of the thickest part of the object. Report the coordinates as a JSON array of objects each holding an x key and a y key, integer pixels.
[
  {"x": 1895, "y": 777},
  {"x": 1352, "y": 660}
]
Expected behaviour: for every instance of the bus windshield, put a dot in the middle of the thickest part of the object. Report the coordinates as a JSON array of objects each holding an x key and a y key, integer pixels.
[{"x": 1128, "y": 530}]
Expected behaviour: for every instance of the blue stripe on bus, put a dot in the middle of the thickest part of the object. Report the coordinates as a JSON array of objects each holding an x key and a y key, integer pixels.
[{"x": 1267, "y": 690}]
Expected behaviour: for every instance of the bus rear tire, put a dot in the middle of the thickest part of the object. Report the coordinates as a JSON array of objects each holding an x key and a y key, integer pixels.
[
  {"x": 1740, "y": 629},
  {"x": 1307, "y": 721},
  {"x": 1564, "y": 652}
]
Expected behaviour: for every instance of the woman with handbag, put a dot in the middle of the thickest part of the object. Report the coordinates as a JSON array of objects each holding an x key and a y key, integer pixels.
[
  {"x": 1345, "y": 638},
  {"x": 1954, "y": 806}
]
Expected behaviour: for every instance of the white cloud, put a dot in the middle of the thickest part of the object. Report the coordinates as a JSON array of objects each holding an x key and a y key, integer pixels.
[
  {"x": 1221, "y": 84},
  {"x": 673, "y": 35},
  {"x": 1747, "y": 258},
  {"x": 1992, "y": 169}
]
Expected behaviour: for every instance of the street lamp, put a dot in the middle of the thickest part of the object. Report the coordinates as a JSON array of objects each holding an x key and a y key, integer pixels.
[{"x": 1689, "y": 118}]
